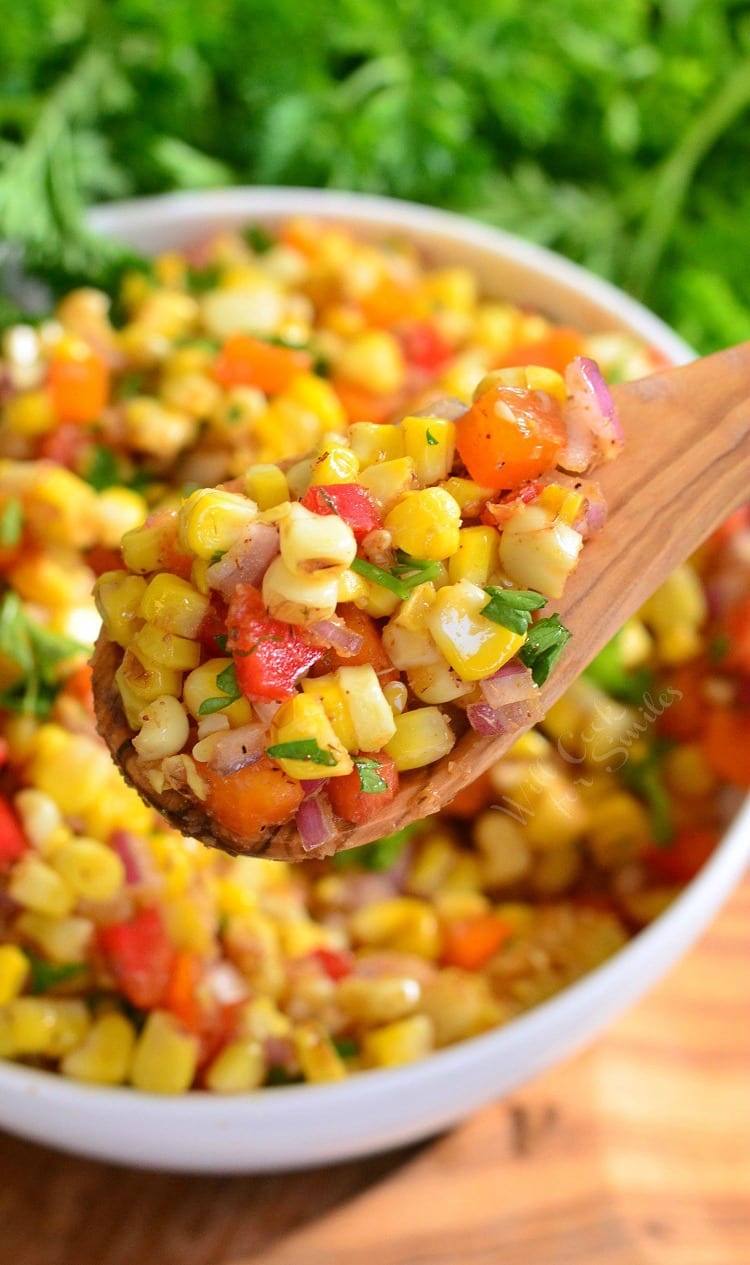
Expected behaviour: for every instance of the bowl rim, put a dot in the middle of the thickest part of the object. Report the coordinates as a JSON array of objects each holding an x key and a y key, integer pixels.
[{"x": 529, "y": 1029}]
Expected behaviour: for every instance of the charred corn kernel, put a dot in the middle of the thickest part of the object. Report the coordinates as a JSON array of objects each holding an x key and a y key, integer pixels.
[
  {"x": 238, "y": 1068},
  {"x": 376, "y": 600},
  {"x": 266, "y": 485},
  {"x": 40, "y": 817},
  {"x": 474, "y": 646},
  {"x": 201, "y": 684},
  {"x": 340, "y": 465},
  {"x": 35, "y": 885},
  {"x": 327, "y": 689},
  {"x": 561, "y": 503},
  {"x": 60, "y": 939},
  {"x": 139, "y": 684},
  {"x": 431, "y": 444},
  {"x": 378, "y": 1001},
  {"x": 402, "y": 923},
  {"x": 422, "y": 735},
  {"x": 367, "y": 705},
  {"x": 686, "y": 772},
  {"x": 432, "y": 863},
  {"x": 144, "y": 548},
  {"x": 437, "y": 683},
  {"x": 316, "y": 1053},
  {"x": 298, "y": 598},
  {"x": 158, "y": 431},
  {"x": 164, "y": 728},
  {"x": 536, "y": 553},
  {"x": 525, "y": 377},
  {"x": 210, "y": 521},
  {"x": 119, "y": 510},
  {"x": 374, "y": 361},
  {"x": 351, "y": 588},
  {"x": 425, "y": 524},
  {"x": 174, "y": 605},
  {"x": 157, "y": 647},
  {"x": 470, "y": 496},
  {"x": 30, "y": 413},
  {"x": 397, "y": 1044},
  {"x": 166, "y": 1056},
  {"x": 89, "y": 869},
  {"x": 619, "y": 830},
  {"x": 373, "y": 443},
  {"x": 313, "y": 544},
  {"x": 106, "y": 1053},
  {"x": 396, "y": 695},
  {"x": 318, "y": 397},
  {"x": 389, "y": 481},
  {"x": 477, "y": 556},
  {"x": 303, "y": 718},
  {"x": 14, "y": 970},
  {"x": 505, "y": 856}
]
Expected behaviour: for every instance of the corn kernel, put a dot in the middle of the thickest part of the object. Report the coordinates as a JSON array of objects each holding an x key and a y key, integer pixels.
[
  {"x": 317, "y": 397},
  {"x": 14, "y": 970},
  {"x": 477, "y": 557},
  {"x": 238, "y": 1068},
  {"x": 317, "y": 1055},
  {"x": 41, "y": 818},
  {"x": 303, "y": 719},
  {"x": 35, "y": 885},
  {"x": 475, "y": 647},
  {"x": 431, "y": 444},
  {"x": 437, "y": 683},
  {"x": 313, "y": 544},
  {"x": 91, "y": 870},
  {"x": 299, "y": 598},
  {"x": 374, "y": 361},
  {"x": 373, "y": 443},
  {"x": 338, "y": 465},
  {"x": 686, "y": 771},
  {"x": 105, "y": 1055},
  {"x": 152, "y": 428},
  {"x": 371, "y": 717},
  {"x": 210, "y": 521},
  {"x": 174, "y": 605},
  {"x": 425, "y": 524},
  {"x": 166, "y": 1056},
  {"x": 389, "y": 481},
  {"x": 30, "y": 413},
  {"x": 505, "y": 856},
  {"x": 397, "y": 1044},
  {"x": 376, "y": 600},
  {"x": 155, "y": 647},
  {"x": 266, "y": 485},
  {"x": 139, "y": 684},
  {"x": 327, "y": 689},
  {"x": 402, "y": 923},
  {"x": 60, "y": 939},
  {"x": 525, "y": 378},
  {"x": 118, "y": 599},
  {"x": 537, "y": 553},
  {"x": 561, "y": 502},
  {"x": 422, "y": 735},
  {"x": 397, "y": 696}
]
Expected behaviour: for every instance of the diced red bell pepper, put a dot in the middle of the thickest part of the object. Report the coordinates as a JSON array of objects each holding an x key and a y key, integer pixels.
[
  {"x": 12, "y": 839},
  {"x": 246, "y": 361},
  {"x": 685, "y": 855},
  {"x": 354, "y": 804},
  {"x": 270, "y": 656},
  {"x": 140, "y": 955},
  {"x": 64, "y": 445},
  {"x": 350, "y": 501},
  {"x": 423, "y": 346},
  {"x": 213, "y": 625},
  {"x": 335, "y": 962}
]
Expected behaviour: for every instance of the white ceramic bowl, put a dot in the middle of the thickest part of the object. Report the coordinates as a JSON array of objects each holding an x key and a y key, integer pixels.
[{"x": 305, "y": 1125}]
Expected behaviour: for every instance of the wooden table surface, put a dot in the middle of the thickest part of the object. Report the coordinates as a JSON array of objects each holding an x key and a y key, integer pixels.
[{"x": 635, "y": 1153}]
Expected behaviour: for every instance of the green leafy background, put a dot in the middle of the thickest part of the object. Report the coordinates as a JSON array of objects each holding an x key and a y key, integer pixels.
[{"x": 618, "y": 133}]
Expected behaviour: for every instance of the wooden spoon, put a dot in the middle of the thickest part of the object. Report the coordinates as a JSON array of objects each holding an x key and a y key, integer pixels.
[{"x": 685, "y": 467}]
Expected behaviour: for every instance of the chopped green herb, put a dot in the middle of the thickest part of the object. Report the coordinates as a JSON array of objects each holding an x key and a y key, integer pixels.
[
  {"x": 609, "y": 672},
  {"x": 369, "y": 571},
  {"x": 38, "y": 653},
  {"x": 278, "y": 1075},
  {"x": 370, "y": 778},
  {"x": 201, "y": 280},
  {"x": 717, "y": 648},
  {"x": 381, "y": 854},
  {"x": 346, "y": 1047},
  {"x": 47, "y": 975},
  {"x": 258, "y": 238},
  {"x": 303, "y": 749},
  {"x": 104, "y": 469},
  {"x": 221, "y": 641},
  {"x": 227, "y": 682},
  {"x": 645, "y": 778},
  {"x": 543, "y": 647},
  {"x": 11, "y": 523},
  {"x": 512, "y": 607},
  {"x": 128, "y": 385},
  {"x": 217, "y": 556},
  {"x": 415, "y": 571},
  {"x": 431, "y": 440}
]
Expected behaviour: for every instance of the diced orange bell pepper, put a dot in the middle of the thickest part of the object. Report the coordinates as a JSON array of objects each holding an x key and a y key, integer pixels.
[
  {"x": 685, "y": 855},
  {"x": 471, "y": 800},
  {"x": 365, "y": 406},
  {"x": 78, "y": 381},
  {"x": 726, "y": 745},
  {"x": 509, "y": 436},
  {"x": 738, "y": 631},
  {"x": 251, "y": 362},
  {"x": 255, "y": 797},
  {"x": 554, "y": 351},
  {"x": 470, "y": 942}
]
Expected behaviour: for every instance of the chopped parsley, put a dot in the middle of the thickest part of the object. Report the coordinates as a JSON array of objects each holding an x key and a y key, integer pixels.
[
  {"x": 302, "y": 749},
  {"x": 346, "y": 1047},
  {"x": 38, "y": 653},
  {"x": 226, "y": 681},
  {"x": 381, "y": 854},
  {"x": 370, "y": 779},
  {"x": 645, "y": 778},
  {"x": 47, "y": 975},
  {"x": 431, "y": 440},
  {"x": 11, "y": 523},
  {"x": 128, "y": 385},
  {"x": 406, "y": 574},
  {"x": 609, "y": 672},
  {"x": 104, "y": 469},
  {"x": 717, "y": 648},
  {"x": 543, "y": 646},
  {"x": 512, "y": 607},
  {"x": 201, "y": 280},
  {"x": 258, "y": 239}
]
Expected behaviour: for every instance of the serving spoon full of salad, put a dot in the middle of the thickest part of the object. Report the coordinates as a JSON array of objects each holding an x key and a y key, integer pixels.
[{"x": 313, "y": 656}]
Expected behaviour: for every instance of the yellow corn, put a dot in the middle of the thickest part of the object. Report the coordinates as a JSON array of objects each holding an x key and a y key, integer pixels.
[
  {"x": 525, "y": 377},
  {"x": 378, "y": 1001},
  {"x": 209, "y": 521},
  {"x": 475, "y": 647},
  {"x": 351, "y": 587},
  {"x": 317, "y": 1055},
  {"x": 201, "y": 684},
  {"x": 41, "y": 818},
  {"x": 62, "y": 508},
  {"x": 155, "y": 647},
  {"x": 687, "y": 773},
  {"x": 60, "y": 939},
  {"x": 91, "y": 870},
  {"x": 375, "y": 599},
  {"x": 422, "y": 735},
  {"x": 313, "y": 544},
  {"x": 397, "y": 695},
  {"x": 30, "y": 413},
  {"x": 373, "y": 360},
  {"x": 317, "y": 397},
  {"x": 152, "y": 428},
  {"x": 556, "y": 871},
  {"x": 537, "y": 553},
  {"x": 425, "y": 524},
  {"x": 396, "y": 1044},
  {"x": 460, "y": 1005},
  {"x": 371, "y": 716},
  {"x": 327, "y": 689},
  {"x": 266, "y": 485},
  {"x": 189, "y": 925},
  {"x": 402, "y": 923},
  {"x": 469, "y": 496},
  {"x": 166, "y": 1056},
  {"x": 118, "y": 599},
  {"x": 14, "y": 970},
  {"x": 164, "y": 729},
  {"x": 495, "y": 326},
  {"x": 619, "y": 831},
  {"x": 239, "y": 1067},
  {"x": 119, "y": 510},
  {"x": 303, "y": 719},
  {"x": 389, "y": 481},
  {"x": 174, "y": 605},
  {"x": 373, "y": 443},
  {"x": 55, "y": 578},
  {"x": 477, "y": 557},
  {"x": 35, "y": 885},
  {"x": 43, "y": 1025},
  {"x": 194, "y": 393},
  {"x": 299, "y": 598},
  {"x": 338, "y": 465},
  {"x": 435, "y": 858},
  {"x": 505, "y": 856},
  {"x": 437, "y": 683},
  {"x": 431, "y": 444},
  {"x": 72, "y": 769},
  {"x": 561, "y": 502},
  {"x": 140, "y": 684},
  {"x": 106, "y": 1053}
]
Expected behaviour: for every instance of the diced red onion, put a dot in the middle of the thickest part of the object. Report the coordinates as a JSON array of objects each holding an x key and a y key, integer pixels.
[
  {"x": 594, "y": 514},
  {"x": 265, "y": 709},
  {"x": 134, "y": 855},
  {"x": 512, "y": 684},
  {"x": 590, "y": 404},
  {"x": 246, "y": 561},
  {"x": 580, "y": 448},
  {"x": 491, "y": 721},
  {"x": 234, "y": 749},
  {"x": 315, "y": 822},
  {"x": 333, "y": 632},
  {"x": 311, "y": 786}
]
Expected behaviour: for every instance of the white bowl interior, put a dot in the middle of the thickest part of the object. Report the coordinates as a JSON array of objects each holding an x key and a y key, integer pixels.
[{"x": 307, "y": 1125}]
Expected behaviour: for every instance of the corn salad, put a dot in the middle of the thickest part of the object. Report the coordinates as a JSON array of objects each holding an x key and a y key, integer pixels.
[{"x": 130, "y": 955}]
